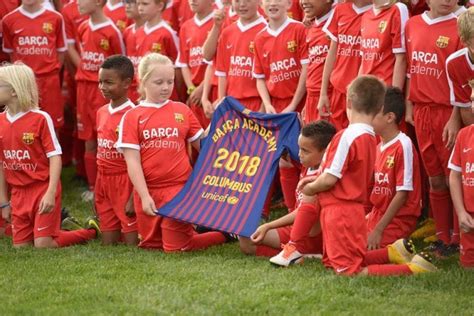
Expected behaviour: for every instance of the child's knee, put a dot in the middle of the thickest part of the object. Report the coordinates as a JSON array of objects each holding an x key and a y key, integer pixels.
[{"x": 44, "y": 242}]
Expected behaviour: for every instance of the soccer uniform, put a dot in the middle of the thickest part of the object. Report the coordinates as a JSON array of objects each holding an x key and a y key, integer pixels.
[
  {"x": 116, "y": 12},
  {"x": 170, "y": 14},
  {"x": 27, "y": 141},
  {"x": 185, "y": 12},
  {"x": 295, "y": 12},
  {"x": 161, "y": 130},
  {"x": 350, "y": 157},
  {"x": 343, "y": 27},
  {"x": 460, "y": 70},
  {"x": 318, "y": 47},
  {"x": 6, "y": 7},
  {"x": 192, "y": 36},
  {"x": 462, "y": 160},
  {"x": 383, "y": 36},
  {"x": 160, "y": 38},
  {"x": 36, "y": 39},
  {"x": 396, "y": 169},
  {"x": 97, "y": 42},
  {"x": 279, "y": 56},
  {"x": 131, "y": 50},
  {"x": 234, "y": 60},
  {"x": 72, "y": 20}
]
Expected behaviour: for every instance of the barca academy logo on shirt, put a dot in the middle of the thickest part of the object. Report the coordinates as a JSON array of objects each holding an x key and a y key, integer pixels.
[
  {"x": 442, "y": 41},
  {"x": 382, "y": 26},
  {"x": 252, "y": 47},
  {"x": 156, "y": 48},
  {"x": 47, "y": 27},
  {"x": 28, "y": 138},
  {"x": 390, "y": 162},
  {"x": 291, "y": 46},
  {"x": 104, "y": 44},
  {"x": 178, "y": 117}
]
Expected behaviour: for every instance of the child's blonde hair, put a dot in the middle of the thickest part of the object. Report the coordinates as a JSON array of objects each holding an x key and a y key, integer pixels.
[
  {"x": 147, "y": 64},
  {"x": 466, "y": 25},
  {"x": 22, "y": 80}
]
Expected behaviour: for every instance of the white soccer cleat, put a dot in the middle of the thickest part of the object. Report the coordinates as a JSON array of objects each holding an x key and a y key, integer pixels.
[{"x": 288, "y": 256}]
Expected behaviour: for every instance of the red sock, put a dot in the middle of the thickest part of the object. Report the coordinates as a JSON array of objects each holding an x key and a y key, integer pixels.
[
  {"x": 377, "y": 256},
  {"x": 68, "y": 238},
  {"x": 206, "y": 240},
  {"x": 90, "y": 163},
  {"x": 389, "y": 269},
  {"x": 442, "y": 213},
  {"x": 307, "y": 216},
  {"x": 265, "y": 251},
  {"x": 289, "y": 178},
  {"x": 455, "y": 237}
]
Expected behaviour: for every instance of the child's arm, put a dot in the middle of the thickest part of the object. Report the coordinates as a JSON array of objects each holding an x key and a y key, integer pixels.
[
  {"x": 262, "y": 230},
  {"x": 466, "y": 221},
  {"x": 409, "y": 105},
  {"x": 323, "y": 182},
  {"x": 397, "y": 202},
  {"x": 210, "y": 45},
  {"x": 48, "y": 199},
  {"x": 452, "y": 128},
  {"x": 324, "y": 107},
  {"x": 399, "y": 71},
  {"x": 6, "y": 210},
  {"x": 206, "y": 89},
  {"x": 73, "y": 54},
  {"x": 300, "y": 91},
  {"x": 265, "y": 96},
  {"x": 221, "y": 87},
  {"x": 135, "y": 172}
]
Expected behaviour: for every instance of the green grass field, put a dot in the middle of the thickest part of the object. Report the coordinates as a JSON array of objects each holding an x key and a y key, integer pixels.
[{"x": 92, "y": 279}]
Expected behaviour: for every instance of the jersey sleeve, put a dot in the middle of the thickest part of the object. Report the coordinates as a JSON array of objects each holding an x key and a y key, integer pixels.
[
  {"x": 69, "y": 28},
  {"x": 183, "y": 56},
  {"x": 398, "y": 29},
  {"x": 173, "y": 46},
  {"x": 337, "y": 156},
  {"x": 48, "y": 137},
  {"x": 61, "y": 36},
  {"x": 116, "y": 42},
  {"x": 7, "y": 37},
  {"x": 257, "y": 70},
  {"x": 330, "y": 27},
  {"x": 455, "y": 159},
  {"x": 222, "y": 65},
  {"x": 195, "y": 130},
  {"x": 457, "y": 94},
  {"x": 128, "y": 132},
  {"x": 291, "y": 139},
  {"x": 303, "y": 51},
  {"x": 404, "y": 167}
]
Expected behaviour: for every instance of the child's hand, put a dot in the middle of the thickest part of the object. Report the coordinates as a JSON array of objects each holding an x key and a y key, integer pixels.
[
  {"x": 148, "y": 206},
  {"x": 466, "y": 222},
  {"x": 269, "y": 109},
  {"x": 196, "y": 96},
  {"x": 409, "y": 113},
  {"x": 129, "y": 209},
  {"x": 450, "y": 132},
  {"x": 219, "y": 17},
  {"x": 373, "y": 240},
  {"x": 303, "y": 182},
  {"x": 47, "y": 202},
  {"x": 258, "y": 236},
  {"x": 6, "y": 213},
  {"x": 324, "y": 106},
  {"x": 208, "y": 108}
]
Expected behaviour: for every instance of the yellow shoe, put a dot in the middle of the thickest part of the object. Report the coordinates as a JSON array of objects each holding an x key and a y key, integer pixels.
[
  {"x": 401, "y": 251},
  {"x": 421, "y": 263},
  {"x": 426, "y": 229},
  {"x": 430, "y": 239}
]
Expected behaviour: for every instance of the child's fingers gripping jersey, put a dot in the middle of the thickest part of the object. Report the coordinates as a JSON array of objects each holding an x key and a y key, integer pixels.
[{"x": 148, "y": 206}]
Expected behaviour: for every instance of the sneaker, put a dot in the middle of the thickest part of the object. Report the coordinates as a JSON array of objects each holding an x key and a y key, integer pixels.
[
  {"x": 288, "y": 256},
  {"x": 70, "y": 223},
  {"x": 430, "y": 239},
  {"x": 445, "y": 251},
  {"x": 93, "y": 223},
  {"x": 401, "y": 251},
  {"x": 87, "y": 196},
  {"x": 230, "y": 237},
  {"x": 427, "y": 228},
  {"x": 422, "y": 263}
]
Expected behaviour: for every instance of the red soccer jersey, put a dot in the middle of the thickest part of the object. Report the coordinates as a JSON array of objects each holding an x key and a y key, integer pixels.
[
  {"x": 305, "y": 173},
  {"x": 192, "y": 36},
  {"x": 108, "y": 120},
  {"x": 318, "y": 47},
  {"x": 278, "y": 57},
  {"x": 383, "y": 36},
  {"x": 116, "y": 12},
  {"x": 350, "y": 157},
  {"x": 462, "y": 160},
  {"x": 27, "y": 141},
  {"x": 161, "y": 133},
  {"x": 185, "y": 12},
  {"x": 35, "y": 38},
  {"x": 6, "y": 7},
  {"x": 397, "y": 168},
  {"x": 170, "y": 14},
  {"x": 72, "y": 20},
  {"x": 343, "y": 27},
  {"x": 295, "y": 12},
  {"x": 429, "y": 43},
  {"x": 460, "y": 70},
  {"x": 234, "y": 59},
  {"x": 160, "y": 38},
  {"x": 97, "y": 42},
  {"x": 131, "y": 45}
]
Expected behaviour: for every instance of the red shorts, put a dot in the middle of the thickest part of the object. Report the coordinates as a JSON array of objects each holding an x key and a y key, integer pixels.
[
  {"x": 338, "y": 109},
  {"x": 344, "y": 237},
  {"x": 281, "y": 104},
  {"x": 50, "y": 97},
  {"x": 159, "y": 232},
  {"x": 399, "y": 227},
  {"x": 198, "y": 110},
  {"x": 27, "y": 223},
  {"x": 311, "y": 112},
  {"x": 430, "y": 120},
  {"x": 253, "y": 104},
  {"x": 467, "y": 248},
  {"x": 112, "y": 193},
  {"x": 89, "y": 100}
]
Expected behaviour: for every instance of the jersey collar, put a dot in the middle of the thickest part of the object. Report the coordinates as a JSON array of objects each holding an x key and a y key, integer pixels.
[
  {"x": 390, "y": 143},
  {"x": 149, "y": 29},
  {"x": 30, "y": 14},
  {"x": 322, "y": 19},
  {"x": 431, "y": 21},
  {"x": 277, "y": 32},
  {"x": 203, "y": 21},
  {"x": 95, "y": 27},
  {"x": 244, "y": 28},
  {"x": 362, "y": 9},
  {"x": 13, "y": 118},
  {"x": 154, "y": 105},
  {"x": 113, "y": 7},
  {"x": 122, "y": 106},
  {"x": 362, "y": 126}
]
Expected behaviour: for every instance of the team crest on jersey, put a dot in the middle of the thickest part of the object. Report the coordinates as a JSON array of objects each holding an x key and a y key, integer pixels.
[
  {"x": 252, "y": 47},
  {"x": 47, "y": 27},
  {"x": 28, "y": 138},
  {"x": 246, "y": 111},
  {"x": 178, "y": 117},
  {"x": 104, "y": 44},
  {"x": 232, "y": 200},
  {"x": 117, "y": 131},
  {"x": 442, "y": 41},
  {"x": 291, "y": 46},
  {"x": 121, "y": 25},
  {"x": 390, "y": 162},
  {"x": 156, "y": 48},
  {"x": 382, "y": 26}
]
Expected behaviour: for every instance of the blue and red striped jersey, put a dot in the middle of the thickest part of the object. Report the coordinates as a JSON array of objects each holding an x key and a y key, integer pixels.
[{"x": 238, "y": 161}]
